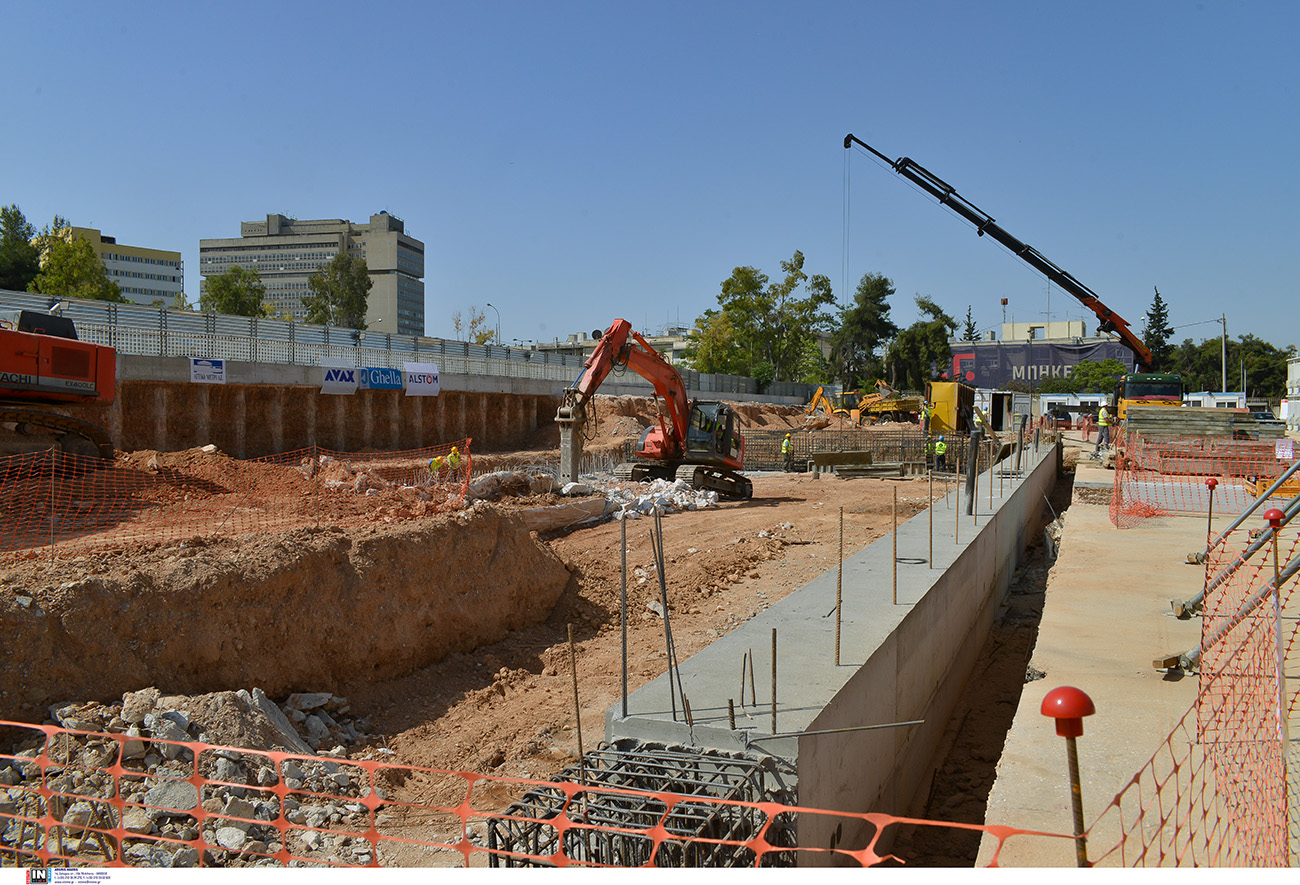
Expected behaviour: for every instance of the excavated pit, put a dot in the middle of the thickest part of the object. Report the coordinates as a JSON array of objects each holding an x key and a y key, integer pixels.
[{"x": 315, "y": 609}]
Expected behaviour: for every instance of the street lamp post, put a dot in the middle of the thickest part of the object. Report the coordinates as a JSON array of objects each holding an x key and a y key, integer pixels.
[{"x": 498, "y": 313}]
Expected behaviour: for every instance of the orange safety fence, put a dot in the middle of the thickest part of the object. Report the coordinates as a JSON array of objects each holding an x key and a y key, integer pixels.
[
  {"x": 53, "y": 503},
  {"x": 1160, "y": 475},
  {"x": 100, "y": 799},
  {"x": 1216, "y": 791}
]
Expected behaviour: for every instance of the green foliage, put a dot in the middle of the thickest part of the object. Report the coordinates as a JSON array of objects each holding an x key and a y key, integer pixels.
[
  {"x": 238, "y": 291},
  {"x": 921, "y": 351},
  {"x": 770, "y": 322},
  {"x": 863, "y": 328},
  {"x": 20, "y": 258},
  {"x": 1097, "y": 377},
  {"x": 712, "y": 346},
  {"x": 969, "y": 332},
  {"x": 1155, "y": 334},
  {"x": 71, "y": 269},
  {"x": 339, "y": 293},
  {"x": 1202, "y": 365}
]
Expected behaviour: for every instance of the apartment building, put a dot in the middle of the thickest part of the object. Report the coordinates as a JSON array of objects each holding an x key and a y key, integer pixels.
[
  {"x": 146, "y": 276},
  {"x": 287, "y": 251}
]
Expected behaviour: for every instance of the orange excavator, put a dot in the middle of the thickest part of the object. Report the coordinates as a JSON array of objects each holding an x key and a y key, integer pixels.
[
  {"x": 689, "y": 432},
  {"x": 44, "y": 364}
]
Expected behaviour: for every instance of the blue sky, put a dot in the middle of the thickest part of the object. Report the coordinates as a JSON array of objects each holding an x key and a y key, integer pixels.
[{"x": 575, "y": 162}]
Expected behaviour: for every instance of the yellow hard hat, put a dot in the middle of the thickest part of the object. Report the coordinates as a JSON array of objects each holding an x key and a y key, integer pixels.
[
  {"x": 453, "y": 448},
  {"x": 787, "y": 436}
]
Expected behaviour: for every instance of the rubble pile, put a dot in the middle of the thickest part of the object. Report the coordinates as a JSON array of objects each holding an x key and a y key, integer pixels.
[
  {"x": 240, "y": 809},
  {"x": 660, "y": 496}
]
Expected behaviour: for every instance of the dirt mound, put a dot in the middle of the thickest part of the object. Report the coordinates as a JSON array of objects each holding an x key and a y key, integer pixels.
[{"x": 311, "y": 609}]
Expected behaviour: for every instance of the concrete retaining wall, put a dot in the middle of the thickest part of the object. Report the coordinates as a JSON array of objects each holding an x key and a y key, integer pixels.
[
  {"x": 265, "y": 409},
  {"x": 919, "y": 672},
  {"x": 907, "y": 653}
]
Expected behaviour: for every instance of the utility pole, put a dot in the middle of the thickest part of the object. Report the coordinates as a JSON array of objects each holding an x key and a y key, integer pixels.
[{"x": 1223, "y": 318}]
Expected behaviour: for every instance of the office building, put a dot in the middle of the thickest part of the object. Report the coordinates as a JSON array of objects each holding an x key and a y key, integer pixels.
[
  {"x": 146, "y": 276},
  {"x": 287, "y": 251}
]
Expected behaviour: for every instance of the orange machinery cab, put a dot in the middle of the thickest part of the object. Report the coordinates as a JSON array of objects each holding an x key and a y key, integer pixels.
[{"x": 42, "y": 361}]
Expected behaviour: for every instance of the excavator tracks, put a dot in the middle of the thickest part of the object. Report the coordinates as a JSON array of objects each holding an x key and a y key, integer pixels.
[{"x": 70, "y": 435}]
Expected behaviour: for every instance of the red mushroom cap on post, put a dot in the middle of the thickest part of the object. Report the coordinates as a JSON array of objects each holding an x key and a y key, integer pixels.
[{"x": 1068, "y": 706}]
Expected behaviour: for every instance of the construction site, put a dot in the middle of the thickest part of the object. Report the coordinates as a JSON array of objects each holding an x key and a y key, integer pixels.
[
  {"x": 457, "y": 654},
  {"x": 481, "y": 613}
]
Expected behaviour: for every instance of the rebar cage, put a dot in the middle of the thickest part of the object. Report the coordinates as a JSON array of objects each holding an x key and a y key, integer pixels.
[{"x": 703, "y": 833}]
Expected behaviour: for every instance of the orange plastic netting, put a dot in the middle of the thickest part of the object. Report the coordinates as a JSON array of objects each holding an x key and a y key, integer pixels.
[
  {"x": 56, "y": 503},
  {"x": 88, "y": 798},
  {"x": 1156, "y": 476}
]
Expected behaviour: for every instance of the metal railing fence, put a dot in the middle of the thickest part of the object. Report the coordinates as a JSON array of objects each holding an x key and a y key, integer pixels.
[{"x": 142, "y": 330}]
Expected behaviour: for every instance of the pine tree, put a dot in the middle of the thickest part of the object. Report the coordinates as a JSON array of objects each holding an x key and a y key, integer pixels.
[{"x": 1156, "y": 332}]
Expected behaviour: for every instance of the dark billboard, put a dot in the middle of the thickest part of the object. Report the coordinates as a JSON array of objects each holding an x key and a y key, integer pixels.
[{"x": 997, "y": 365}]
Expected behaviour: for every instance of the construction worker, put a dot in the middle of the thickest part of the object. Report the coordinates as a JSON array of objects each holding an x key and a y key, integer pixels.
[
  {"x": 940, "y": 453},
  {"x": 925, "y": 417},
  {"x": 787, "y": 453},
  {"x": 435, "y": 467},
  {"x": 453, "y": 460},
  {"x": 1103, "y": 429}
]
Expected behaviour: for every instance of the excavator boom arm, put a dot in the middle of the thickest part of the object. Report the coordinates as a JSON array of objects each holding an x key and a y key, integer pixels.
[
  {"x": 621, "y": 346},
  {"x": 1109, "y": 321}
]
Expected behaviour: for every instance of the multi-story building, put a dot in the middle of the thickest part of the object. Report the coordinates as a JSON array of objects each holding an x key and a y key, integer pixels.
[
  {"x": 287, "y": 251},
  {"x": 146, "y": 276}
]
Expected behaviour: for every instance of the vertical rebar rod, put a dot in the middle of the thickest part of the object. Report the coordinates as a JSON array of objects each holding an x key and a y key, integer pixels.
[
  {"x": 895, "y": 537},
  {"x": 839, "y": 590},
  {"x": 753, "y": 694},
  {"x": 929, "y": 475},
  {"x": 623, "y": 610},
  {"x": 731, "y": 713},
  {"x": 577, "y": 706},
  {"x": 991, "y": 454},
  {"x": 773, "y": 680},
  {"x": 1076, "y": 802},
  {"x": 657, "y": 540}
]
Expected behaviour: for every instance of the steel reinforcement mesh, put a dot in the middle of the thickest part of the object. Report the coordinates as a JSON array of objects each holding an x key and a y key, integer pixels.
[
  {"x": 1216, "y": 792},
  {"x": 52, "y": 503},
  {"x": 1157, "y": 475}
]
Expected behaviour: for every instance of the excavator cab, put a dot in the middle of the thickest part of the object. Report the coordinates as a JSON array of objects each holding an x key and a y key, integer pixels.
[{"x": 710, "y": 434}]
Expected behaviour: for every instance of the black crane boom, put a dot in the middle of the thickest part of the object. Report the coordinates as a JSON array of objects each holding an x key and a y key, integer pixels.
[{"x": 1109, "y": 320}]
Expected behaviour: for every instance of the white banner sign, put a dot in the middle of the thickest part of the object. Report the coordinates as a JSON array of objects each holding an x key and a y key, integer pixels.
[
  {"x": 421, "y": 379},
  {"x": 207, "y": 371},
  {"x": 338, "y": 377}
]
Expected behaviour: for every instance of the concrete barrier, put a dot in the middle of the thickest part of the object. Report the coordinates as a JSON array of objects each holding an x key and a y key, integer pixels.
[{"x": 900, "y": 662}]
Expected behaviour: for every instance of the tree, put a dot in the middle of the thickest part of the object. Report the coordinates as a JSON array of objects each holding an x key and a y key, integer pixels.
[
  {"x": 712, "y": 346},
  {"x": 969, "y": 332},
  {"x": 238, "y": 291},
  {"x": 20, "y": 258},
  {"x": 339, "y": 293},
  {"x": 864, "y": 326},
  {"x": 478, "y": 332},
  {"x": 921, "y": 350},
  {"x": 772, "y": 323},
  {"x": 71, "y": 269},
  {"x": 1155, "y": 334},
  {"x": 1202, "y": 366}
]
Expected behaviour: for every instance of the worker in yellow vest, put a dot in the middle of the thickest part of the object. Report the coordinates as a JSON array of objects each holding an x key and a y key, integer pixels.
[
  {"x": 940, "y": 454},
  {"x": 787, "y": 453},
  {"x": 1104, "y": 420}
]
